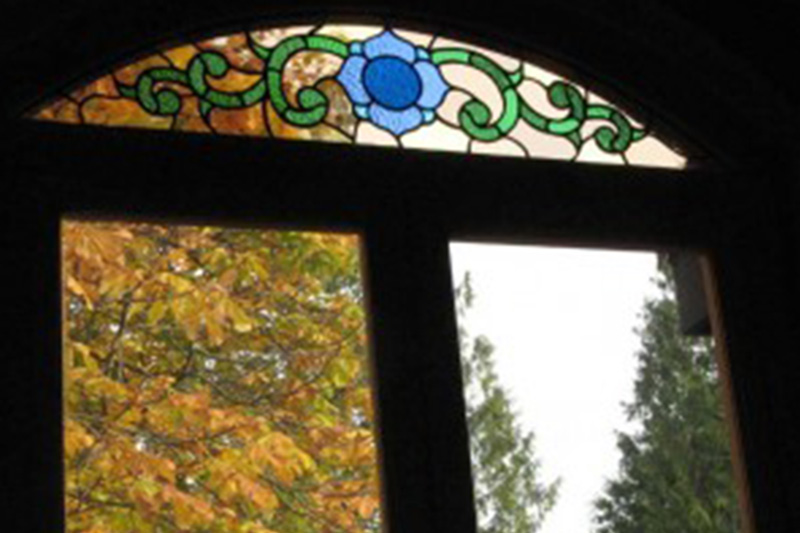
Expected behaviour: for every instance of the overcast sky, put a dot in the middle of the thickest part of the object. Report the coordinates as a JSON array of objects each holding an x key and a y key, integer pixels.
[{"x": 562, "y": 323}]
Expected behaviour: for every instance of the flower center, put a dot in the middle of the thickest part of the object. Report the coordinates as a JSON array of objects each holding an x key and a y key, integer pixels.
[{"x": 392, "y": 82}]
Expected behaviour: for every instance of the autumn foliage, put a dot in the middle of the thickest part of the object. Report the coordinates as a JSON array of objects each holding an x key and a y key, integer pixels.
[{"x": 215, "y": 380}]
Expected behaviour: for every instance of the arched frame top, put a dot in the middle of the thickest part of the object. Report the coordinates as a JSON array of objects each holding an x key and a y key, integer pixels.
[{"x": 369, "y": 85}]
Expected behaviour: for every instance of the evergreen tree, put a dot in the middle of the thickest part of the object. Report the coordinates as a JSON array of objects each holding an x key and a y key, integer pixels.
[
  {"x": 675, "y": 474},
  {"x": 508, "y": 494}
]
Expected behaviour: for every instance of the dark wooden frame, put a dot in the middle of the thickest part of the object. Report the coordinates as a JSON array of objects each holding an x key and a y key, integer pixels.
[{"x": 407, "y": 205}]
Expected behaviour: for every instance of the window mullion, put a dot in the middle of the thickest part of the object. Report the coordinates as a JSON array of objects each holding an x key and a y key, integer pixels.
[{"x": 420, "y": 399}]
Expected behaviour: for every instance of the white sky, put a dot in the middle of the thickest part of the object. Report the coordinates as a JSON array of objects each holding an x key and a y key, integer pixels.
[{"x": 562, "y": 322}]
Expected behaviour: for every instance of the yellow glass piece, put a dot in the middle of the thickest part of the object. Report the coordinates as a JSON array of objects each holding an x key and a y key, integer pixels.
[
  {"x": 283, "y": 130},
  {"x": 181, "y": 56},
  {"x": 104, "y": 86},
  {"x": 305, "y": 68},
  {"x": 340, "y": 114},
  {"x": 271, "y": 37},
  {"x": 119, "y": 112},
  {"x": 236, "y": 50},
  {"x": 130, "y": 73},
  {"x": 234, "y": 81},
  {"x": 247, "y": 121},
  {"x": 62, "y": 110},
  {"x": 189, "y": 119}
]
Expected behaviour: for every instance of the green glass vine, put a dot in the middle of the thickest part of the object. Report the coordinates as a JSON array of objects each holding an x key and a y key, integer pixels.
[{"x": 155, "y": 92}]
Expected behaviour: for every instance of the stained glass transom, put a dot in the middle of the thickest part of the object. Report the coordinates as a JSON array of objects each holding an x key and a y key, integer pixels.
[{"x": 368, "y": 85}]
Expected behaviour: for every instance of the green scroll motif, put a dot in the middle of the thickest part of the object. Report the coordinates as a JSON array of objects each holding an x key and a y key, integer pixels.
[
  {"x": 385, "y": 80},
  {"x": 166, "y": 101},
  {"x": 313, "y": 104},
  {"x": 475, "y": 115}
]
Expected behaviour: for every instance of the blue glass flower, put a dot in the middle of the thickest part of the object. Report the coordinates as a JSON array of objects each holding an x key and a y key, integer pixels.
[{"x": 392, "y": 83}]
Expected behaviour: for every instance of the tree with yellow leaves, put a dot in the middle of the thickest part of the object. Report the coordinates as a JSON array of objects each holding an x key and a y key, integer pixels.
[{"x": 215, "y": 380}]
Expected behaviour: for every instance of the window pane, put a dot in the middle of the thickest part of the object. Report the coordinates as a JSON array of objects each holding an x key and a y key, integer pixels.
[
  {"x": 588, "y": 410},
  {"x": 216, "y": 379},
  {"x": 365, "y": 84}
]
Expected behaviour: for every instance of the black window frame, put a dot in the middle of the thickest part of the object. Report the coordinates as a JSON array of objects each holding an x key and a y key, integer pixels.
[{"x": 407, "y": 205}]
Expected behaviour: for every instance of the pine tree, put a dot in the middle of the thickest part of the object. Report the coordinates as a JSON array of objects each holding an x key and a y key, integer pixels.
[
  {"x": 509, "y": 496},
  {"x": 675, "y": 474}
]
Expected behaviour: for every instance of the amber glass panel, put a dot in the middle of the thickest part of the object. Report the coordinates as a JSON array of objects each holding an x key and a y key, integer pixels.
[{"x": 216, "y": 379}]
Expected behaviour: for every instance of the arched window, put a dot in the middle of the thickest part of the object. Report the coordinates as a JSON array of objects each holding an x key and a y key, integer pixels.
[
  {"x": 368, "y": 85},
  {"x": 207, "y": 101}
]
